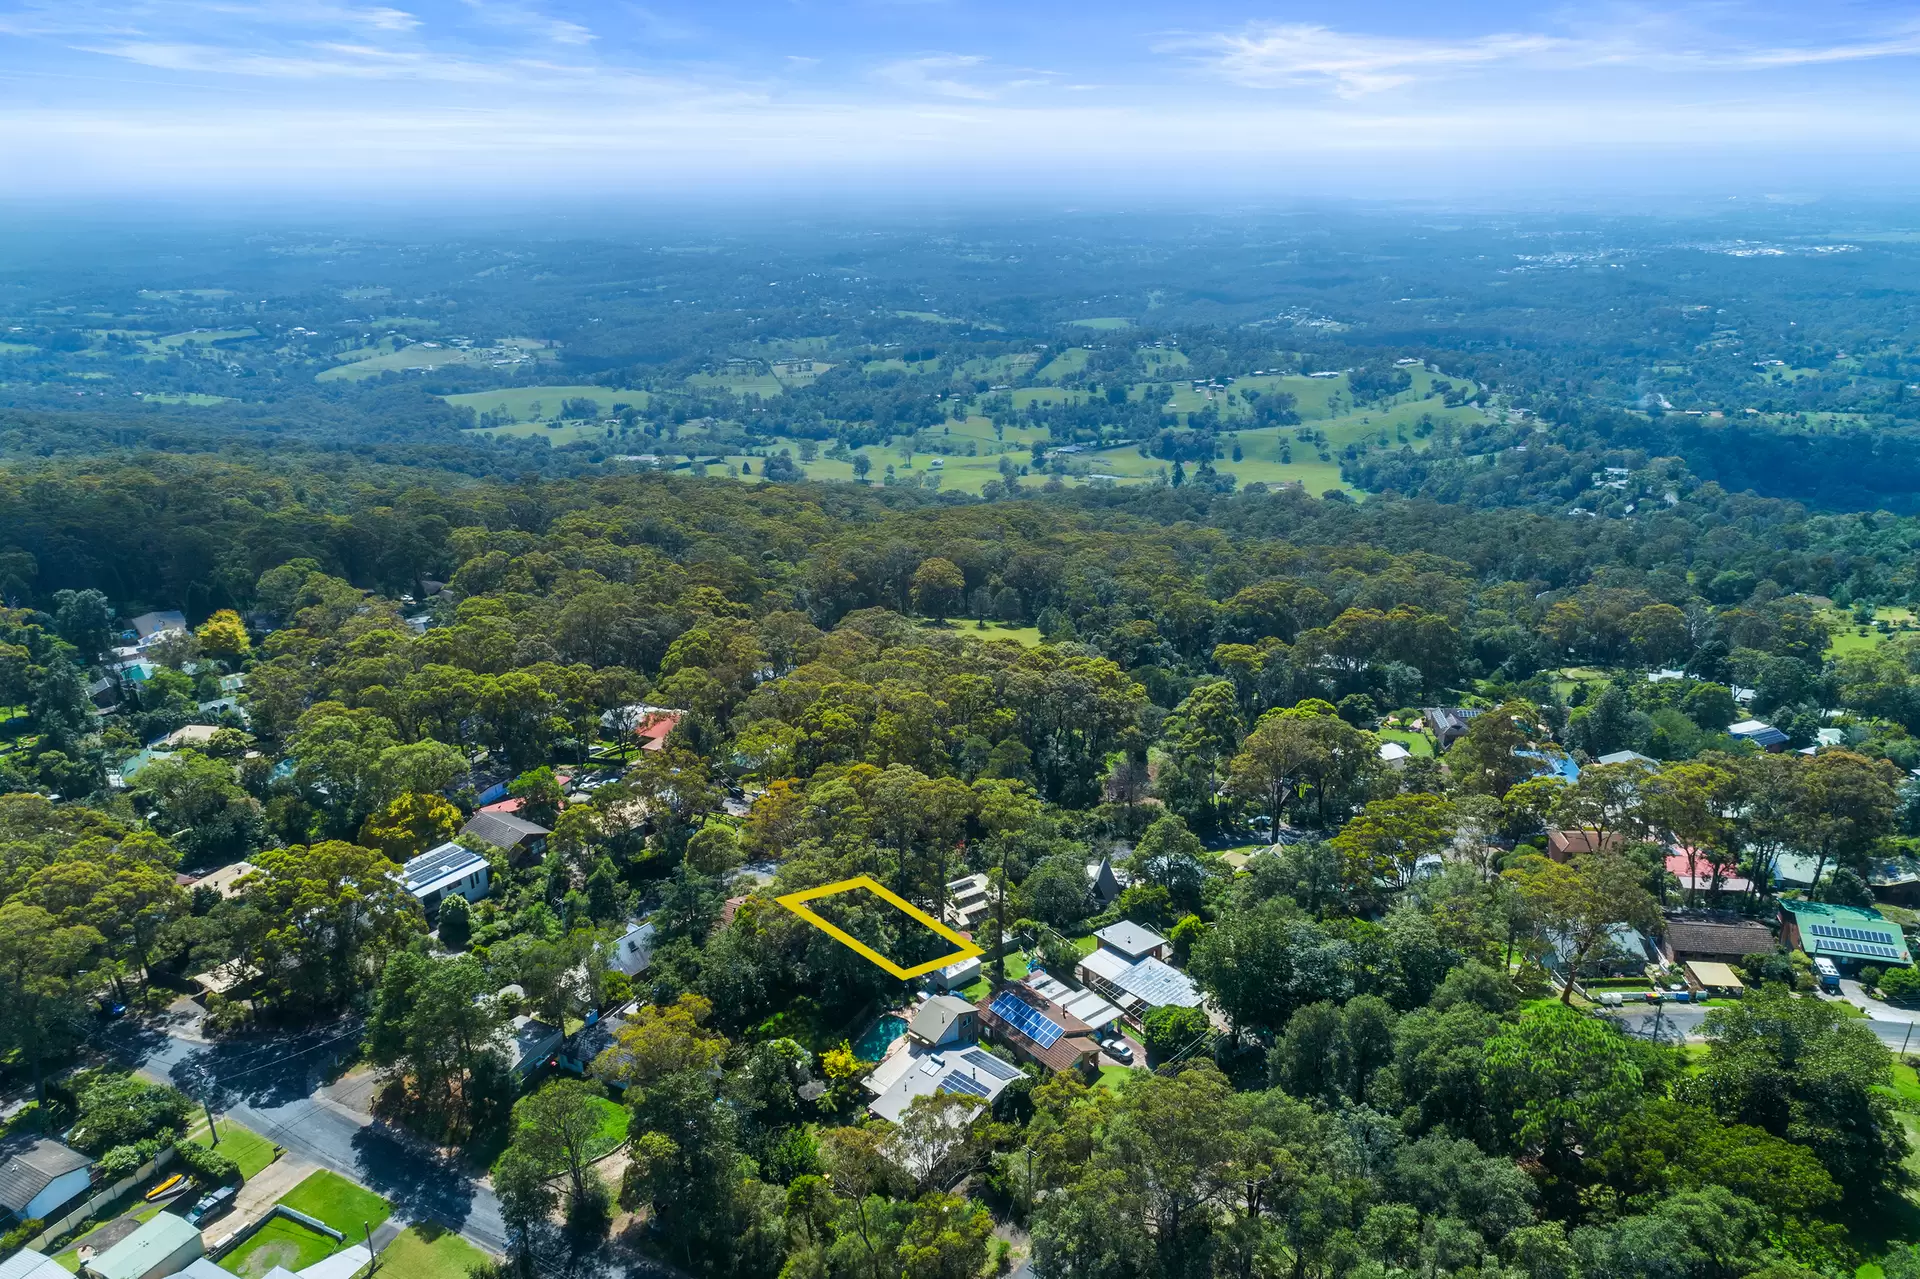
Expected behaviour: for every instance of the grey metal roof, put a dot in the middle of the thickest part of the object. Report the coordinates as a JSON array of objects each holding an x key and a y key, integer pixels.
[
  {"x": 502, "y": 830},
  {"x": 1129, "y": 938},
  {"x": 28, "y": 1264},
  {"x": 31, "y": 1168}
]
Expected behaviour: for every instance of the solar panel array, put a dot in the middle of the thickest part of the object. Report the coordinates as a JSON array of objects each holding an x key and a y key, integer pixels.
[
  {"x": 955, "y": 1082},
  {"x": 1029, "y": 1021},
  {"x": 990, "y": 1063},
  {"x": 1856, "y": 941}
]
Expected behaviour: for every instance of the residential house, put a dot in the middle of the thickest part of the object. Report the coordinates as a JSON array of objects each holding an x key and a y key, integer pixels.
[
  {"x": 28, "y": 1264},
  {"x": 1629, "y": 952},
  {"x": 1039, "y": 1030},
  {"x": 1765, "y": 736},
  {"x": 1848, "y": 935},
  {"x": 530, "y": 1044},
  {"x": 968, "y": 902},
  {"x": 651, "y": 725},
  {"x": 224, "y": 879},
  {"x": 1447, "y": 724},
  {"x": 1714, "y": 935},
  {"x": 1565, "y": 845},
  {"x": 39, "y": 1177},
  {"x": 194, "y": 735},
  {"x": 1628, "y": 757},
  {"x": 968, "y": 1072},
  {"x": 1105, "y": 882},
  {"x": 592, "y": 1039},
  {"x": 1132, "y": 942},
  {"x": 1084, "y": 1004},
  {"x": 944, "y": 1020},
  {"x": 1695, "y": 873},
  {"x": 448, "y": 869},
  {"x": 1394, "y": 755},
  {"x": 1896, "y": 880},
  {"x": 516, "y": 836},
  {"x": 633, "y": 950},
  {"x": 149, "y": 625},
  {"x": 1138, "y": 986},
  {"x": 166, "y": 1245}
]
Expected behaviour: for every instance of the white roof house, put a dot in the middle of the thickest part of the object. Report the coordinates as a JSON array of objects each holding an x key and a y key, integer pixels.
[
  {"x": 1134, "y": 941},
  {"x": 971, "y": 1072},
  {"x": 443, "y": 870},
  {"x": 28, "y": 1264},
  {"x": 633, "y": 951},
  {"x": 1394, "y": 755}
]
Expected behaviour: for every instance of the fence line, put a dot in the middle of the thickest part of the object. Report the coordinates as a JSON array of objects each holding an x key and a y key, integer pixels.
[{"x": 55, "y": 1229}]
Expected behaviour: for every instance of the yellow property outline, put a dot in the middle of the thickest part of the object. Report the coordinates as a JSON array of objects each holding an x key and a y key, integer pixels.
[{"x": 797, "y": 903}]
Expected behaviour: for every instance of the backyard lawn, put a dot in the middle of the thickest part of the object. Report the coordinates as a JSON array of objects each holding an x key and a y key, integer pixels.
[
  {"x": 338, "y": 1202},
  {"x": 613, "y": 1128},
  {"x": 280, "y": 1242}
]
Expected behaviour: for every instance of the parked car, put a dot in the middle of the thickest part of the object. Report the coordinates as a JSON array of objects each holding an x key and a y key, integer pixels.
[
  {"x": 1119, "y": 1050},
  {"x": 211, "y": 1205}
]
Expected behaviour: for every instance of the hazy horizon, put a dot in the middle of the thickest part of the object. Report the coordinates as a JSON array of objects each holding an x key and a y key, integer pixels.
[{"x": 949, "y": 102}]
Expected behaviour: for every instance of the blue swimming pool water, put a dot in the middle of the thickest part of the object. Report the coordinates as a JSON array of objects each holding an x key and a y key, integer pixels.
[{"x": 873, "y": 1041}]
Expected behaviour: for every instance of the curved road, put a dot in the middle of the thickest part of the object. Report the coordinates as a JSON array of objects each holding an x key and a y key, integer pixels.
[{"x": 277, "y": 1086}]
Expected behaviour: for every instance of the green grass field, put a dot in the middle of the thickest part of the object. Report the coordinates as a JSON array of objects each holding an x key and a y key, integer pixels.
[
  {"x": 1016, "y": 969},
  {"x": 429, "y": 1252},
  {"x": 532, "y": 404},
  {"x": 244, "y": 1146},
  {"x": 17, "y": 348},
  {"x": 1417, "y": 743},
  {"x": 1070, "y": 361},
  {"x": 204, "y": 337},
  {"x": 338, "y": 1202},
  {"x": 279, "y": 1243},
  {"x": 1849, "y": 637},
  {"x": 1024, "y": 636},
  {"x": 613, "y": 1127},
  {"x": 420, "y": 355},
  {"x": 1104, "y": 322}
]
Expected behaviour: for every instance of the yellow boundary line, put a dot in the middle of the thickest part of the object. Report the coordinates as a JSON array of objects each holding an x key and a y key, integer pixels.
[{"x": 797, "y": 903}]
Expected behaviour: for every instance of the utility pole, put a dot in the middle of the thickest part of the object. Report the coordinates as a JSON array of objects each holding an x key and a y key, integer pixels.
[
  {"x": 373, "y": 1262},
  {"x": 213, "y": 1129},
  {"x": 1000, "y": 924}
]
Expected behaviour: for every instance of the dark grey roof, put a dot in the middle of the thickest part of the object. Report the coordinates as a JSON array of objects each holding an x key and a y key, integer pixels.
[
  {"x": 503, "y": 830},
  {"x": 30, "y": 1167}
]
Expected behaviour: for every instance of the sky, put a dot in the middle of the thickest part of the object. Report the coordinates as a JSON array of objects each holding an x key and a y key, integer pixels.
[{"x": 954, "y": 100}]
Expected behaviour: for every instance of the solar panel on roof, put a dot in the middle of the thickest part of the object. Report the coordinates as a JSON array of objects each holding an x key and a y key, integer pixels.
[
  {"x": 989, "y": 1063},
  {"x": 1028, "y": 1020},
  {"x": 957, "y": 1082}
]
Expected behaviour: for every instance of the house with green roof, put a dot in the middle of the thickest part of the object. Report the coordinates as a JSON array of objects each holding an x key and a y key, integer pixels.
[{"x": 1848, "y": 935}]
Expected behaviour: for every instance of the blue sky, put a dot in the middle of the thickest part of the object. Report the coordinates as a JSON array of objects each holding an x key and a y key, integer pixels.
[{"x": 965, "y": 97}]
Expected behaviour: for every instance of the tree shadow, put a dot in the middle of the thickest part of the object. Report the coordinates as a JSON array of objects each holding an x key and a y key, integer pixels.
[{"x": 419, "y": 1187}]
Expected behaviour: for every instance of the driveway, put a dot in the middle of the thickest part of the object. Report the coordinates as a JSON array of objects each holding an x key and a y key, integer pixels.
[{"x": 277, "y": 1086}]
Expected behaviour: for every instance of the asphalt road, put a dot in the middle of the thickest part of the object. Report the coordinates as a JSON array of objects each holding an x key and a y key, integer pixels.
[
  {"x": 1676, "y": 1022},
  {"x": 277, "y": 1087}
]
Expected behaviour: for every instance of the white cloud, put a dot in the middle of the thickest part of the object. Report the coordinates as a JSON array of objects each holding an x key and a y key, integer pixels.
[
  {"x": 1297, "y": 53},
  {"x": 930, "y": 75},
  {"x": 1355, "y": 64}
]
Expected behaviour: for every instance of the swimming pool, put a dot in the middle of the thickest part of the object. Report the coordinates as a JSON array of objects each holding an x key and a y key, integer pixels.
[{"x": 874, "y": 1040}]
